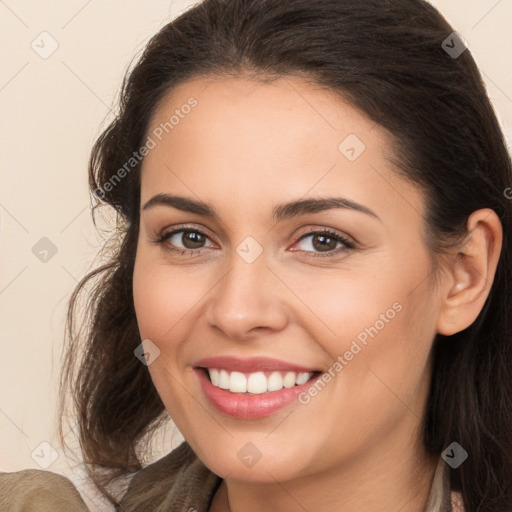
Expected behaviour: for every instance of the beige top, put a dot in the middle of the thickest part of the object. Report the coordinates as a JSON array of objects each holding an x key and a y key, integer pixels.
[{"x": 178, "y": 482}]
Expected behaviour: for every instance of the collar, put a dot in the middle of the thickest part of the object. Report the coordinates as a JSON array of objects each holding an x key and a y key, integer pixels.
[{"x": 439, "y": 497}]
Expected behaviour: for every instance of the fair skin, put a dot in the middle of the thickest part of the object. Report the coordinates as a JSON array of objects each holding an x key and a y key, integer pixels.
[{"x": 245, "y": 148}]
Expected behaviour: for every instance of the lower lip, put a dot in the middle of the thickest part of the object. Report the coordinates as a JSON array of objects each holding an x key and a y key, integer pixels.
[{"x": 249, "y": 406}]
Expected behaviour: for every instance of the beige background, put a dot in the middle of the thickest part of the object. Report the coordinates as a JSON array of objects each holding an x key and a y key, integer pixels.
[{"x": 52, "y": 109}]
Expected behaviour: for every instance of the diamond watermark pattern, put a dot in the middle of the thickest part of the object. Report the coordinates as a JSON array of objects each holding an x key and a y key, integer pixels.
[
  {"x": 44, "y": 250},
  {"x": 44, "y": 45},
  {"x": 352, "y": 147},
  {"x": 454, "y": 455},
  {"x": 147, "y": 352},
  {"x": 249, "y": 250},
  {"x": 44, "y": 455},
  {"x": 249, "y": 455},
  {"x": 454, "y": 45}
]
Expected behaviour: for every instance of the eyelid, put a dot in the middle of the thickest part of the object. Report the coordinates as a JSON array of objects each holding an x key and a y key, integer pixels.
[
  {"x": 324, "y": 229},
  {"x": 166, "y": 234},
  {"x": 184, "y": 227},
  {"x": 348, "y": 242}
]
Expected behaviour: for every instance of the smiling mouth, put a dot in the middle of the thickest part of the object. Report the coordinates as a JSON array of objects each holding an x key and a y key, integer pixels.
[{"x": 256, "y": 383}]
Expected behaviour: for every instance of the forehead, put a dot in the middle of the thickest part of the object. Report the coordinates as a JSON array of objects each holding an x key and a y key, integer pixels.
[
  {"x": 288, "y": 117},
  {"x": 256, "y": 141}
]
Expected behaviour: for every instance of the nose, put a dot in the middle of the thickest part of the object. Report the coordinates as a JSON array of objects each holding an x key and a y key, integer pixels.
[{"x": 248, "y": 301}]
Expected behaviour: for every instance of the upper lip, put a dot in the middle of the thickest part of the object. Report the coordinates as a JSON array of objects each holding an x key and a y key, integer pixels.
[{"x": 250, "y": 365}]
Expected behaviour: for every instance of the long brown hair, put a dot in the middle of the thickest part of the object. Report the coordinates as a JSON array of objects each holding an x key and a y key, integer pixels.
[{"x": 389, "y": 59}]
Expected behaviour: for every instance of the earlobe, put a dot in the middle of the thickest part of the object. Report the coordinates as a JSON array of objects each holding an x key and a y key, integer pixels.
[{"x": 469, "y": 280}]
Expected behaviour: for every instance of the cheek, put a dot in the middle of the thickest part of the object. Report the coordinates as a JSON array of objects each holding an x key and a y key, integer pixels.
[
  {"x": 384, "y": 338},
  {"x": 382, "y": 318},
  {"x": 163, "y": 296},
  {"x": 340, "y": 305}
]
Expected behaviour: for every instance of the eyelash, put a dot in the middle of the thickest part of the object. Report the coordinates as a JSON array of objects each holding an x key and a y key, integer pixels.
[{"x": 164, "y": 237}]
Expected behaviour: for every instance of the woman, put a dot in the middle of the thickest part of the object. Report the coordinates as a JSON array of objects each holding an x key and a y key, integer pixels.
[{"x": 313, "y": 273}]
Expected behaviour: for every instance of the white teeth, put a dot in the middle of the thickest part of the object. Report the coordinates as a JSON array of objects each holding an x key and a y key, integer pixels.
[
  {"x": 302, "y": 378},
  {"x": 289, "y": 379},
  {"x": 223, "y": 379},
  {"x": 238, "y": 383},
  {"x": 275, "y": 382},
  {"x": 214, "y": 376},
  {"x": 257, "y": 382}
]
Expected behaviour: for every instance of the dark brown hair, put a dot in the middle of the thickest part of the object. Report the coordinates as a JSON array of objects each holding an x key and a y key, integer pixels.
[{"x": 386, "y": 57}]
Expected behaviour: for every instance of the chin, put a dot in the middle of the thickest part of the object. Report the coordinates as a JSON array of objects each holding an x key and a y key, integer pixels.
[{"x": 250, "y": 458}]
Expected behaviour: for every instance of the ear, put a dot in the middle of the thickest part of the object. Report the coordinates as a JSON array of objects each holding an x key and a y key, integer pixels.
[{"x": 469, "y": 280}]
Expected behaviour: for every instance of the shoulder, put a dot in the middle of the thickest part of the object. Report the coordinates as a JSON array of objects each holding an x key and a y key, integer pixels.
[
  {"x": 37, "y": 490},
  {"x": 177, "y": 481}
]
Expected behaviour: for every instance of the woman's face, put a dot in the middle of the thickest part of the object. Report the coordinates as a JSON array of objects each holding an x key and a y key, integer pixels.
[{"x": 272, "y": 292}]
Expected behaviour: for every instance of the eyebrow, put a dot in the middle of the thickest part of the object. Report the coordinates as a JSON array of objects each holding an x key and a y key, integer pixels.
[{"x": 279, "y": 212}]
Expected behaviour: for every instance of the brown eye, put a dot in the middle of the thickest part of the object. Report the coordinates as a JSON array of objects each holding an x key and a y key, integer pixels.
[
  {"x": 185, "y": 239},
  {"x": 192, "y": 239},
  {"x": 324, "y": 243}
]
